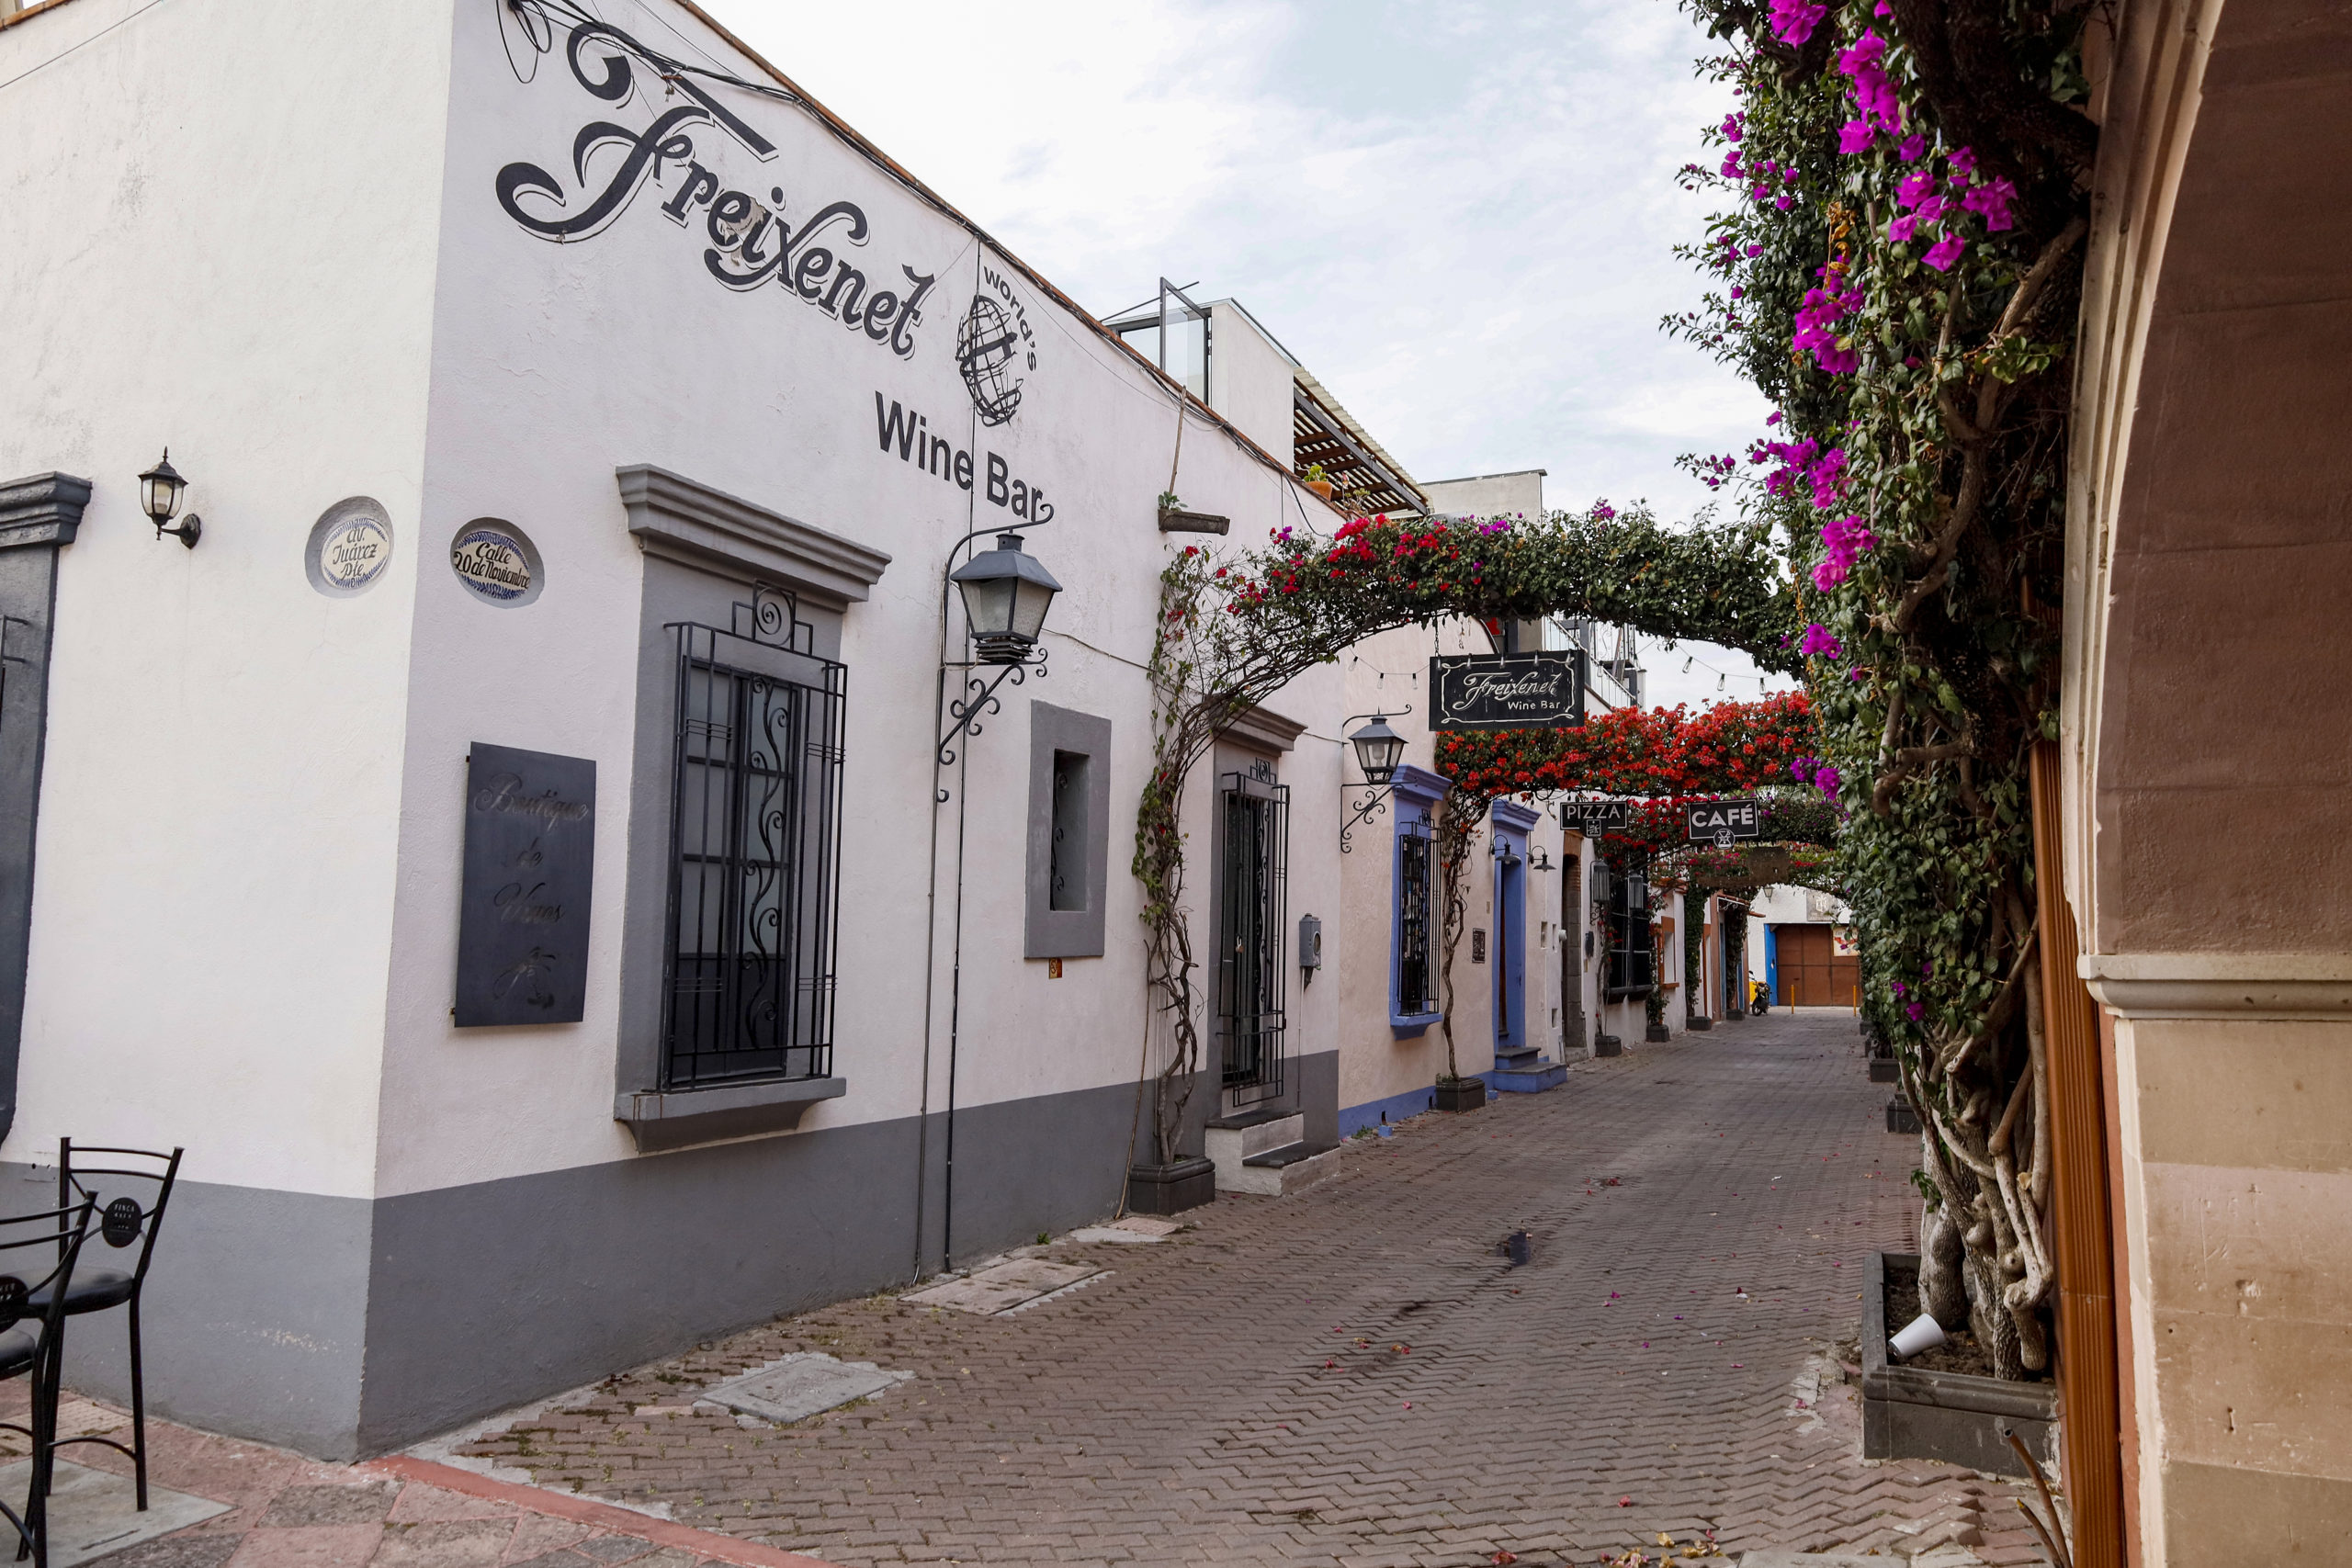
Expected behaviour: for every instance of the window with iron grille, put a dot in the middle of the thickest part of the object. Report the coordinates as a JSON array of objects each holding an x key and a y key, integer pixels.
[
  {"x": 1416, "y": 988},
  {"x": 1253, "y": 897},
  {"x": 1630, "y": 955},
  {"x": 754, "y": 850}
]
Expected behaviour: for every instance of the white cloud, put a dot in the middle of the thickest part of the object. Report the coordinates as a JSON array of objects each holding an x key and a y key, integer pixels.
[{"x": 1460, "y": 216}]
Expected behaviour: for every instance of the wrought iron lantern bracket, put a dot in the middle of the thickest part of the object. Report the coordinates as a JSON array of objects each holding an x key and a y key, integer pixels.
[
  {"x": 1380, "y": 788},
  {"x": 980, "y": 699}
]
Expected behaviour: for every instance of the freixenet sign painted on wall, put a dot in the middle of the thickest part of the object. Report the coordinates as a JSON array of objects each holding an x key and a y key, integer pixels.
[
  {"x": 751, "y": 243},
  {"x": 1506, "y": 691}
]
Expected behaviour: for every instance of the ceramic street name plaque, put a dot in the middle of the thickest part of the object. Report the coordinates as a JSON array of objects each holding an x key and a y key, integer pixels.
[
  {"x": 1506, "y": 691},
  {"x": 350, "y": 545},
  {"x": 529, "y": 856},
  {"x": 1723, "y": 822},
  {"x": 496, "y": 562}
]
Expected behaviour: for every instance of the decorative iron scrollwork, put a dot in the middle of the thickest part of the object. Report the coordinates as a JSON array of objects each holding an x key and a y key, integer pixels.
[
  {"x": 14, "y": 1298},
  {"x": 980, "y": 699}
]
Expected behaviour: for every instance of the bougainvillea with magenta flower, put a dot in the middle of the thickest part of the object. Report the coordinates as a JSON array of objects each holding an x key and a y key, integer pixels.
[{"x": 1907, "y": 304}]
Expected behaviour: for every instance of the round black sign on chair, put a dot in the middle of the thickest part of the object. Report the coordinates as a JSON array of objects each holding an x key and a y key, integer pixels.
[
  {"x": 13, "y": 1296},
  {"x": 121, "y": 1222}
]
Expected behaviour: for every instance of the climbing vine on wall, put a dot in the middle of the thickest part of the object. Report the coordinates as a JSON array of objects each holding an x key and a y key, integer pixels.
[{"x": 1233, "y": 630}]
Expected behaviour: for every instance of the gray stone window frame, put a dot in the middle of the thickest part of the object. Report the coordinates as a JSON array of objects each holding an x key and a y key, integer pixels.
[
  {"x": 1068, "y": 933},
  {"x": 706, "y": 550},
  {"x": 40, "y": 514}
]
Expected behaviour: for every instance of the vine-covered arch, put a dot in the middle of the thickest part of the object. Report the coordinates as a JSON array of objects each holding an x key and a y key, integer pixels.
[{"x": 1235, "y": 629}]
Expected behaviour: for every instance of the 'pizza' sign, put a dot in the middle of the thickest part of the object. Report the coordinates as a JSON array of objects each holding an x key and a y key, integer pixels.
[{"x": 1723, "y": 822}]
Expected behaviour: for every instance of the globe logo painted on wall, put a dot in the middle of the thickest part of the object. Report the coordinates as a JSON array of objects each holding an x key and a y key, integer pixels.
[{"x": 988, "y": 352}]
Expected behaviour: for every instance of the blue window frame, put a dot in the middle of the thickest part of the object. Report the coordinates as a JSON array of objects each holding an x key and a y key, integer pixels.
[{"x": 1414, "y": 915}]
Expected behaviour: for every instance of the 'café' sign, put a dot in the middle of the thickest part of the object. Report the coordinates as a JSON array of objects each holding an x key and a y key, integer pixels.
[
  {"x": 1506, "y": 691},
  {"x": 1723, "y": 822}
]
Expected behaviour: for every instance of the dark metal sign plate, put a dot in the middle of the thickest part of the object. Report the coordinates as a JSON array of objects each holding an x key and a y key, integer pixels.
[
  {"x": 1506, "y": 691},
  {"x": 530, "y": 853},
  {"x": 1594, "y": 817},
  {"x": 1723, "y": 822}
]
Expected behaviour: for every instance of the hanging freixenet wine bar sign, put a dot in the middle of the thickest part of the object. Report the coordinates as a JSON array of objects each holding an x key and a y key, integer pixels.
[
  {"x": 529, "y": 864},
  {"x": 1506, "y": 691}
]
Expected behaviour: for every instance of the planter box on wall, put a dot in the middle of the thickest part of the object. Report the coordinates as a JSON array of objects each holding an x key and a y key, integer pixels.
[
  {"x": 1912, "y": 1413},
  {"x": 1656, "y": 1034},
  {"x": 1171, "y": 1189},
  {"x": 1608, "y": 1045},
  {"x": 1900, "y": 1117},
  {"x": 1700, "y": 1023},
  {"x": 1882, "y": 1070},
  {"x": 1467, "y": 1094}
]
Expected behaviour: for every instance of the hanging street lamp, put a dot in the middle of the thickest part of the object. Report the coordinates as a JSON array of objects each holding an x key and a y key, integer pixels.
[
  {"x": 1380, "y": 751},
  {"x": 1006, "y": 592}
]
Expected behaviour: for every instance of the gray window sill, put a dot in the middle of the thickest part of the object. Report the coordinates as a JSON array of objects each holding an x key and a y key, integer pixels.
[{"x": 672, "y": 1119}]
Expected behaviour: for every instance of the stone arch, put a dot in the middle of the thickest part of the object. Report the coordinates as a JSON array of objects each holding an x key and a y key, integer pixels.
[{"x": 2207, "y": 751}]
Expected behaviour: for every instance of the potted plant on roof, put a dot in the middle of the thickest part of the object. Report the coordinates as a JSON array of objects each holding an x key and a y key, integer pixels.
[{"x": 1318, "y": 481}]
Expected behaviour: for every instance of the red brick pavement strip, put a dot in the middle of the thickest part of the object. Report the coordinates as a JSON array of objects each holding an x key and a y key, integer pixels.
[
  {"x": 1354, "y": 1377},
  {"x": 285, "y": 1511}
]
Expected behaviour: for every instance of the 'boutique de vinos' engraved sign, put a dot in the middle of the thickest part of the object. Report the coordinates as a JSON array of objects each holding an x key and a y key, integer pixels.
[
  {"x": 1723, "y": 822},
  {"x": 529, "y": 856},
  {"x": 1506, "y": 691}
]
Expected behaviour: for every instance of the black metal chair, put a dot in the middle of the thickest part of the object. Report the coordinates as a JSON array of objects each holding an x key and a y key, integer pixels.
[
  {"x": 122, "y": 1220},
  {"x": 32, "y": 1324}
]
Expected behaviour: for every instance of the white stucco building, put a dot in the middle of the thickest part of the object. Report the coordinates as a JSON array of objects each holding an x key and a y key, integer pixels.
[{"x": 583, "y": 423}]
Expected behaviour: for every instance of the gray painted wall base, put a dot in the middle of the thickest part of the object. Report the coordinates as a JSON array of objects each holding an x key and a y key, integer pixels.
[
  {"x": 255, "y": 1315},
  {"x": 342, "y": 1327}
]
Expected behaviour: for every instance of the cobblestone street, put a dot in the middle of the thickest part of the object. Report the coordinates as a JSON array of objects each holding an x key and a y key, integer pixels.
[{"x": 1355, "y": 1375}]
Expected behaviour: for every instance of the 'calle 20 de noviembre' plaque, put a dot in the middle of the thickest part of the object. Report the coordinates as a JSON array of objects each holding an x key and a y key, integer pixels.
[{"x": 530, "y": 853}]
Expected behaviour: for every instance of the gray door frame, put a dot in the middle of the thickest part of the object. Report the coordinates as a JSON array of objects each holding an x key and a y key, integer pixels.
[{"x": 38, "y": 515}]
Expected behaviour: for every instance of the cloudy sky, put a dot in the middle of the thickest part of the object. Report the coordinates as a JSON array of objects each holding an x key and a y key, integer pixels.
[{"x": 1460, "y": 216}]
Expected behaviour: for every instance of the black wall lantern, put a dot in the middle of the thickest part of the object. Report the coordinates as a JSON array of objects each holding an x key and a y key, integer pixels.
[
  {"x": 160, "y": 490},
  {"x": 1006, "y": 593},
  {"x": 1380, "y": 751}
]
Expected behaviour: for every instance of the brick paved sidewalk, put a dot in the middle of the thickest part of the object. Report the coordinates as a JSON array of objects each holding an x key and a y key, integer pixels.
[
  {"x": 284, "y": 1511},
  {"x": 1354, "y": 1376}
]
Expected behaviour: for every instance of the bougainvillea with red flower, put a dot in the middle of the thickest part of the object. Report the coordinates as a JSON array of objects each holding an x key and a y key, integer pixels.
[{"x": 1654, "y": 751}]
